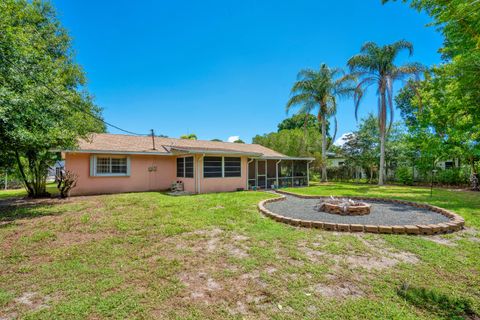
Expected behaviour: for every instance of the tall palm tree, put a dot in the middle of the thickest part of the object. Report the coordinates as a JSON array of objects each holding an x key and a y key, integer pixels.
[
  {"x": 375, "y": 65},
  {"x": 319, "y": 90}
]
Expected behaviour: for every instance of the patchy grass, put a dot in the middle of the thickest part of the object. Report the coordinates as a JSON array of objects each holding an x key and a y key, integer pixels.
[{"x": 150, "y": 256}]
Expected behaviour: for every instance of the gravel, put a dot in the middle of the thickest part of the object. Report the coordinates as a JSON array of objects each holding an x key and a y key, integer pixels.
[{"x": 381, "y": 213}]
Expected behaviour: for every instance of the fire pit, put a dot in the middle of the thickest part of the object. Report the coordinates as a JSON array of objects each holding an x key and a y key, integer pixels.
[{"x": 344, "y": 207}]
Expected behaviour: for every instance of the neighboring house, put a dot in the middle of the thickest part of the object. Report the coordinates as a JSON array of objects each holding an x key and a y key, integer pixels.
[
  {"x": 111, "y": 163},
  {"x": 54, "y": 170},
  {"x": 335, "y": 161}
]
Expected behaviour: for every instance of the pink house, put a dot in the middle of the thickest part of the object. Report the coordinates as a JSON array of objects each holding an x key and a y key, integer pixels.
[{"x": 113, "y": 163}]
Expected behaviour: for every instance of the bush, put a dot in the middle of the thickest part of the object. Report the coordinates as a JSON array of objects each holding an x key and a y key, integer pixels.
[
  {"x": 66, "y": 181},
  {"x": 404, "y": 175},
  {"x": 453, "y": 176}
]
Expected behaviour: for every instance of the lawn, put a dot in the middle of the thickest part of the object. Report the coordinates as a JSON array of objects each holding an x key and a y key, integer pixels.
[
  {"x": 154, "y": 256},
  {"x": 5, "y": 194}
]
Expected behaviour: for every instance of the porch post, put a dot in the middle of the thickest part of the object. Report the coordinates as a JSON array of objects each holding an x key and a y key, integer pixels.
[
  {"x": 256, "y": 173},
  {"x": 292, "y": 174},
  {"x": 308, "y": 174},
  {"x": 276, "y": 173},
  {"x": 248, "y": 173},
  {"x": 266, "y": 174}
]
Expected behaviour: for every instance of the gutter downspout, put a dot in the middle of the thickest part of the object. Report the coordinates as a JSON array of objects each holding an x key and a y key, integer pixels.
[
  {"x": 248, "y": 172},
  {"x": 276, "y": 173},
  {"x": 198, "y": 173},
  {"x": 308, "y": 172}
]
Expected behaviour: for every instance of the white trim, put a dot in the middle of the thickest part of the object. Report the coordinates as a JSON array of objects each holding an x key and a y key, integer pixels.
[{"x": 119, "y": 152}]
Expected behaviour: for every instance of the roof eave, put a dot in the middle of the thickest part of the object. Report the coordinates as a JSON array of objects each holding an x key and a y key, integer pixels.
[
  {"x": 203, "y": 151},
  {"x": 288, "y": 158},
  {"x": 115, "y": 152}
]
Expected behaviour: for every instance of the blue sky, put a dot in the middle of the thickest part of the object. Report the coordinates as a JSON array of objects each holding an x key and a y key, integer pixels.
[{"x": 225, "y": 68}]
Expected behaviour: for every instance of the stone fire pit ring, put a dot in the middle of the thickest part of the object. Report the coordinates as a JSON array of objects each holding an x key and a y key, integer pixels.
[
  {"x": 436, "y": 220},
  {"x": 334, "y": 206}
]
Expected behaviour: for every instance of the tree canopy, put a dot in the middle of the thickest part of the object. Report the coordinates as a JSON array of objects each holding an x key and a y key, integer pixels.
[{"x": 43, "y": 103}]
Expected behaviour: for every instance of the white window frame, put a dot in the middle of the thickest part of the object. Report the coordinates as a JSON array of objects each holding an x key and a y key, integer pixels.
[
  {"x": 93, "y": 166},
  {"x": 223, "y": 168}
]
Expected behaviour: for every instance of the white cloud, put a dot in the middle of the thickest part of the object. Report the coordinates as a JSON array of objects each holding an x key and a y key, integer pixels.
[
  {"x": 233, "y": 138},
  {"x": 341, "y": 141}
]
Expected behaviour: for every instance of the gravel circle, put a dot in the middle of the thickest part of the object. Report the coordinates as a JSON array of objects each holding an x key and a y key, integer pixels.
[{"x": 382, "y": 213}]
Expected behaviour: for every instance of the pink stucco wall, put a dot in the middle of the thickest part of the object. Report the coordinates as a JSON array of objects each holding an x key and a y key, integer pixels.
[
  {"x": 223, "y": 184},
  {"x": 141, "y": 179}
]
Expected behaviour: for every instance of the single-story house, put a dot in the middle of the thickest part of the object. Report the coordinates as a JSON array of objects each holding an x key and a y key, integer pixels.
[{"x": 112, "y": 163}]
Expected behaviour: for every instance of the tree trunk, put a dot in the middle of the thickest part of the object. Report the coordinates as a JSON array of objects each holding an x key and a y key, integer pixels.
[
  {"x": 382, "y": 127},
  {"x": 27, "y": 184},
  {"x": 324, "y": 149}
]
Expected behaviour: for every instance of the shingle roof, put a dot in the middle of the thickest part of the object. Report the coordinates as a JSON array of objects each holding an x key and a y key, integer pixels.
[{"x": 106, "y": 142}]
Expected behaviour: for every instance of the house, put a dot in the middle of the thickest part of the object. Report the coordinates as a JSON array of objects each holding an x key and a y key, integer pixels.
[
  {"x": 112, "y": 163},
  {"x": 54, "y": 171}
]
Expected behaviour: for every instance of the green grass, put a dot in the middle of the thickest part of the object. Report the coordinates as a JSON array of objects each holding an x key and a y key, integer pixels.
[
  {"x": 13, "y": 193},
  {"x": 150, "y": 256}
]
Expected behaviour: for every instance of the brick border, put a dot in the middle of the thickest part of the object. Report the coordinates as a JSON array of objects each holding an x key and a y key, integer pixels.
[{"x": 456, "y": 222}]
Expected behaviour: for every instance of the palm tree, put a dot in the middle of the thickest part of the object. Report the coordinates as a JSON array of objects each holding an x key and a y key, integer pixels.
[
  {"x": 319, "y": 90},
  {"x": 191, "y": 136},
  {"x": 375, "y": 66}
]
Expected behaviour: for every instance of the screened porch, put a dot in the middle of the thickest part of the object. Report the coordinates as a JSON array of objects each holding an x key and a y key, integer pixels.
[{"x": 277, "y": 173}]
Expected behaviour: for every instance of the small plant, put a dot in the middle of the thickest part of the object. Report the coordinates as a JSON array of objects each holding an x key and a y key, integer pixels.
[{"x": 67, "y": 180}]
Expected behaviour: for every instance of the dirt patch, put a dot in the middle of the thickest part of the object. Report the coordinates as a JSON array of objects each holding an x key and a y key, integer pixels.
[
  {"x": 75, "y": 237},
  {"x": 339, "y": 290},
  {"x": 28, "y": 302},
  {"x": 442, "y": 241},
  {"x": 200, "y": 285},
  {"x": 377, "y": 256}
]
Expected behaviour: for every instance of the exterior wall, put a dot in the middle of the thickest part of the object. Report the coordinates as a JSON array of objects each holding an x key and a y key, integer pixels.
[
  {"x": 220, "y": 184},
  {"x": 140, "y": 179},
  {"x": 335, "y": 162}
]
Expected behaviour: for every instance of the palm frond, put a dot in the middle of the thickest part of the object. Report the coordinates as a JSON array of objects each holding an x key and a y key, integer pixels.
[{"x": 402, "y": 45}]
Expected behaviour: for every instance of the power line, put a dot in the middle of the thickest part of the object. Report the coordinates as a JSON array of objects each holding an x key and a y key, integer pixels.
[
  {"x": 73, "y": 104},
  {"x": 67, "y": 100}
]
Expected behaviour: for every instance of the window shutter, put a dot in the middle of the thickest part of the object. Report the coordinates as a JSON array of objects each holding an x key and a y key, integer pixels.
[
  {"x": 92, "y": 166},
  {"x": 128, "y": 166}
]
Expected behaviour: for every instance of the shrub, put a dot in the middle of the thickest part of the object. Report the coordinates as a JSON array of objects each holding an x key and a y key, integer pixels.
[
  {"x": 67, "y": 180},
  {"x": 404, "y": 175},
  {"x": 453, "y": 176}
]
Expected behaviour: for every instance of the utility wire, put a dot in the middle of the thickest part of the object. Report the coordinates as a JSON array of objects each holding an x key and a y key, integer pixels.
[
  {"x": 12, "y": 64},
  {"x": 73, "y": 104}
]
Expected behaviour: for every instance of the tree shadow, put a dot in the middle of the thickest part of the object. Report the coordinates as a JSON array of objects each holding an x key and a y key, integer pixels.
[
  {"x": 443, "y": 305},
  {"x": 12, "y": 209}
]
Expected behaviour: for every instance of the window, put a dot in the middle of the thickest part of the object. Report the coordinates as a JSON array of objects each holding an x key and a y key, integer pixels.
[
  {"x": 109, "y": 166},
  {"x": 232, "y": 167},
  {"x": 189, "y": 167},
  {"x": 212, "y": 167},
  {"x": 218, "y": 167},
  {"x": 185, "y": 167},
  {"x": 448, "y": 164}
]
